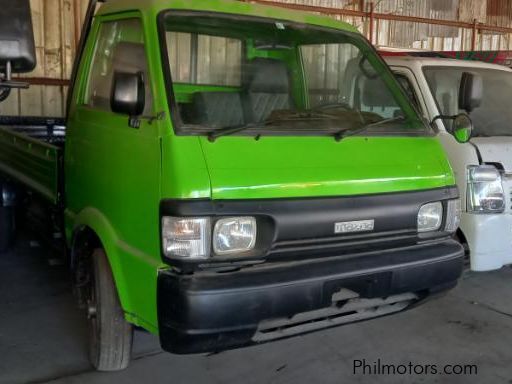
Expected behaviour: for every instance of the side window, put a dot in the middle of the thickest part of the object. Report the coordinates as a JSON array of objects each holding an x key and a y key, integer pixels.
[
  {"x": 120, "y": 47},
  {"x": 204, "y": 59}
]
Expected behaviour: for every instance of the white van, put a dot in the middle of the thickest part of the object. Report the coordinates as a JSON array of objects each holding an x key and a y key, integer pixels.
[{"x": 483, "y": 166}]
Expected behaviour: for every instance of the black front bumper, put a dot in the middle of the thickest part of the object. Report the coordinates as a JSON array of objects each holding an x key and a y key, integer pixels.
[{"x": 216, "y": 311}]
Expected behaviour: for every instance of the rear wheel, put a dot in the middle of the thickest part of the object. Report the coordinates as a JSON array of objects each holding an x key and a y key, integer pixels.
[
  {"x": 7, "y": 228},
  {"x": 110, "y": 335}
]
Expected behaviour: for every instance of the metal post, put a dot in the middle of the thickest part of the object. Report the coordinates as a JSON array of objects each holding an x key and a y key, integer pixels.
[
  {"x": 473, "y": 36},
  {"x": 8, "y": 71},
  {"x": 78, "y": 23},
  {"x": 371, "y": 16}
]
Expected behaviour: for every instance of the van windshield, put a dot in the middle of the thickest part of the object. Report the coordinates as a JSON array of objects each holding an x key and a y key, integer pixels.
[
  {"x": 493, "y": 116},
  {"x": 256, "y": 76}
]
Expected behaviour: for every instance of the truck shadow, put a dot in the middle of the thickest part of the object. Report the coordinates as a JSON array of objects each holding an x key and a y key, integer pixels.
[{"x": 43, "y": 333}]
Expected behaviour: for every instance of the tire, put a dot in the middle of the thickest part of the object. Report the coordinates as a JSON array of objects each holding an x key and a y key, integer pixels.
[
  {"x": 110, "y": 335},
  {"x": 7, "y": 228}
]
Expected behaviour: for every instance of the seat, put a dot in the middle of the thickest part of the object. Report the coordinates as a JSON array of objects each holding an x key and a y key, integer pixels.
[
  {"x": 376, "y": 94},
  {"x": 267, "y": 89},
  {"x": 217, "y": 109}
]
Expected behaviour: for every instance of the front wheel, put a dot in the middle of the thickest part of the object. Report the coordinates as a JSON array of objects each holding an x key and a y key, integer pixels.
[
  {"x": 7, "y": 228},
  {"x": 110, "y": 335}
]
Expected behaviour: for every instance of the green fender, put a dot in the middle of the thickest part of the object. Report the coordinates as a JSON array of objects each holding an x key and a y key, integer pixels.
[{"x": 99, "y": 224}]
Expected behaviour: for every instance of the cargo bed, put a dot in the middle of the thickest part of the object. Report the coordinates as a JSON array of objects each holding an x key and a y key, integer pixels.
[{"x": 31, "y": 151}]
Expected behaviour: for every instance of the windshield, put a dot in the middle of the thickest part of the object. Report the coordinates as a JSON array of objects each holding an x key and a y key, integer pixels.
[
  {"x": 493, "y": 116},
  {"x": 253, "y": 77}
]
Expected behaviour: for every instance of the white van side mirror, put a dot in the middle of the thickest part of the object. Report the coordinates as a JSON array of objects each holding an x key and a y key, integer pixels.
[{"x": 461, "y": 127}]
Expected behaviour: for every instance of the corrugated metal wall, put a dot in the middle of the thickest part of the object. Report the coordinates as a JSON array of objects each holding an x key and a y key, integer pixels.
[
  {"x": 55, "y": 23},
  {"x": 400, "y": 34},
  {"x": 345, "y": 4},
  {"x": 405, "y": 34}
]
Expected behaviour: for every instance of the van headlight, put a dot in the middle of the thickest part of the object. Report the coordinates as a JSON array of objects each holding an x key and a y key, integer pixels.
[
  {"x": 186, "y": 238},
  {"x": 191, "y": 237},
  {"x": 234, "y": 235},
  {"x": 485, "y": 190},
  {"x": 430, "y": 217}
]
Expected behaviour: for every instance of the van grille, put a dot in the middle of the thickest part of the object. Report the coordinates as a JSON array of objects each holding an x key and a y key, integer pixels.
[{"x": 343, "y": 244}]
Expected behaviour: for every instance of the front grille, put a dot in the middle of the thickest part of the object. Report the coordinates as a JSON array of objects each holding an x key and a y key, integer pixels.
[{"x": 338, "y": 245}]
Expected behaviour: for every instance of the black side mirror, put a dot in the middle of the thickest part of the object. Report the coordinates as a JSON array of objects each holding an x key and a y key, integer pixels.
[
  {"x": 470, "y": 92},
  {"x": 128, "y": 94},
  {"x": 17, "y": 49}
]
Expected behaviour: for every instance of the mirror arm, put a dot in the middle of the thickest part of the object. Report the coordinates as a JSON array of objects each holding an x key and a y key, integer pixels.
[
  {"x": 443, "y": 117},
  {"x": 14, "y": 84},
  {"x": 6, "y": 79},
  {"x": 151, "y": 119},
  {"x": 135, "y": 122}
]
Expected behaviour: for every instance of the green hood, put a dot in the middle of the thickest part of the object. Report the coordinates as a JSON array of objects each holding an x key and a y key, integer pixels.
[{"x": 284, "y": 167}]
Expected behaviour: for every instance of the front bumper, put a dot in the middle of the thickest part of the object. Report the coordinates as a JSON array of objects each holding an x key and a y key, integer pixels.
[
  {"x": 489, "y": 239},
  {"x": 216, "y": 311}
]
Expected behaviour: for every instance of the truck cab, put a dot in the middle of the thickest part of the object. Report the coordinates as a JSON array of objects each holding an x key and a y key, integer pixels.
[
  {"x": 232, "y": 174},
  {"x": 482, "y": 166}
]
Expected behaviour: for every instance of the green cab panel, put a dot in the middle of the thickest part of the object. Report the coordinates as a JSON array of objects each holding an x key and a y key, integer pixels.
[
  {"x": 279, "y": 167},
  {"x": 236, "y": 8}
]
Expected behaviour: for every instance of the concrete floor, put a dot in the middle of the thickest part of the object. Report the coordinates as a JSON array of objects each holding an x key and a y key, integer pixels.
[{"x": 43, "y": 338}]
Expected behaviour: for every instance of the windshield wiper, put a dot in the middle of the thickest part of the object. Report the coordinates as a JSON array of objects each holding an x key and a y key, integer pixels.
[
  {"x": 294, "y": 116},
  {"x": 340, "y": 135},
  {"x": 214, "y": 135},
  {"x": 300, "y": 116}
]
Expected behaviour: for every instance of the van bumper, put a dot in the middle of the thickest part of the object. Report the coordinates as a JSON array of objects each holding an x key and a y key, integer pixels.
[
  {"x": 207, "y": 312},
  {"x": 489, "y": 239}
]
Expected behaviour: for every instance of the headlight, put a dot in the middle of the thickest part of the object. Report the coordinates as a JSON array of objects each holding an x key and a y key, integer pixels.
[
  {"x": 430, "y": 217},
  {"x": 485, "y": 190},
  {"x": 233, "y": 235},
  {"x": 186, "y": 238},
  {"x": 452, "y": 216}
]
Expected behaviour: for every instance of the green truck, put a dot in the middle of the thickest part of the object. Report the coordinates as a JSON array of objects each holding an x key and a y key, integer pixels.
[{"x": 230, "y": 174}]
